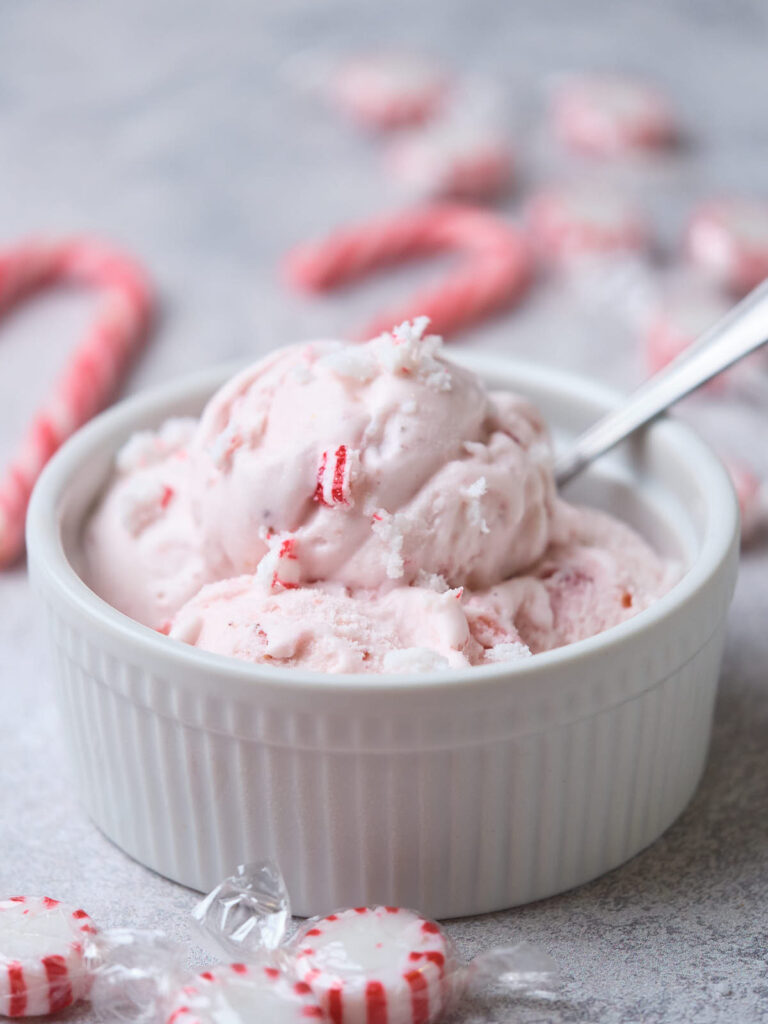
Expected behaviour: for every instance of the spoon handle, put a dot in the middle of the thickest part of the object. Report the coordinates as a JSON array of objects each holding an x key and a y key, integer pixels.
[{"x": 741, "y": 331}]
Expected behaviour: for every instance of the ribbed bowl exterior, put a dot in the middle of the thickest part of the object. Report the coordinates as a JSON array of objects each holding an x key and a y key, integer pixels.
[
  {"x": 359, "y": 809},
  {"x": 456, "y": 794}
]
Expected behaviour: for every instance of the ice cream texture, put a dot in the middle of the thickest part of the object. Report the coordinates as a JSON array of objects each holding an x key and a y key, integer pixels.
[{"x": 361, "y": 508}]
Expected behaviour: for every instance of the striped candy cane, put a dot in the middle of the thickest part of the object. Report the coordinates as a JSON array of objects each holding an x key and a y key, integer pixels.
[
  {"x": 42, "y": 962},
  {"x": 494, "y": 272},
  {"x": 92, "y": 372}
]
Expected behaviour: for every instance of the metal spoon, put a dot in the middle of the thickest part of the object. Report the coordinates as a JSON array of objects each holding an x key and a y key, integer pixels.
[{"x": 741, "y": 331}]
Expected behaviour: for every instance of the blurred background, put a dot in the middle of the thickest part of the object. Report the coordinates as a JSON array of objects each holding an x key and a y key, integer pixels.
[
  {"x": 192, "y": 135},
  {"x": 201, "y": 138}
]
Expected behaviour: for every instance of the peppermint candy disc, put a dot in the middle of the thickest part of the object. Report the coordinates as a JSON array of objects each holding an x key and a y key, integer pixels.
[
  {"x": 389, "y": 90},
  {"x": 680, "y": 319},
  {"x": 728, "y": 238},
  {"x": 244, "y": 994},
  {"x": 42, "y": 963},
  {"x": 567, "y": 224},
  {"x": 752, "y": 498},
  {"x": 458, "y": 160},
  {"x": 606, "y": 115},
  {"x": 376, "y": 965}
]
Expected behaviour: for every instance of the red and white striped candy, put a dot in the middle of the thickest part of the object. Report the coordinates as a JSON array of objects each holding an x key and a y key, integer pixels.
[
  {"x": 680, "y": 320},
  {"x": 453, "y": 161},
  {"x": 244, "y": 994},
  {"x": 376, "y": 965},
  {"x": 752, "y": 497},
  {"x": 728, "y": 239},
  {"x": 279, "y": 569},
  {"x": 605, "y": 115},
  {"x": 334, "y": 476},
  {"x": 92, "y": 371},
  {"x": 568, "y": 224},
  {"x": 42, "y": 963},
  {"x": 494, "y": 272},
  {"x": 387, "y": 91}
]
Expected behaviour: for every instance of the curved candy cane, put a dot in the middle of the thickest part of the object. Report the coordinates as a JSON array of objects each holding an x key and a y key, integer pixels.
[
  {"x": 494, "y": 273},
  {"x": 93, "y": 370}
]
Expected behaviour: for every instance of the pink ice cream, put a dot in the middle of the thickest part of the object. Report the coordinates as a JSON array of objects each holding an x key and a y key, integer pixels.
[
  {"x": 143, "y": 547},
  {"x": 596, "y": 573},
  {"x": 382, "y": 460},
  {"x": 368, "y": 508},
  {"x": 323, "y": 628}
]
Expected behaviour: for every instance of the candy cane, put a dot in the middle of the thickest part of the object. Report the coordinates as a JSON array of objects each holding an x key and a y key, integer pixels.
[
  {"x": 93, "y": 370},
  {"x": 42, "y": 959},
  {"x": 494, "y": 273}
]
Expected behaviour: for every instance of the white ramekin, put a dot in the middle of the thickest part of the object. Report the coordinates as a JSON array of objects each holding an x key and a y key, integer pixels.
[{"x": 456, "y": 792}]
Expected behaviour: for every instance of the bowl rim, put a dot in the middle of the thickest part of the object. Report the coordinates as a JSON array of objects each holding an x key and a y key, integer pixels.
[{"x": 47, "y": 555}]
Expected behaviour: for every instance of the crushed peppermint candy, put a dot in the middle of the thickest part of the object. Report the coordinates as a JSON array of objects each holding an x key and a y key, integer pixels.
[
  {"x": 225, "y": 445},
  {"x": 432, "y": 581},
  {"x": 390, "y": 530},
  {"x": 147, "y": 447},
  {"x": 405, "y": 351},
  {"x": 338, "y": 468},
  {"x": 143, "y": 503},
  {"x": 414, "y": 659},
  {"x": 356, "y": 362},
  {"x": 474, "y": 493},
  {"x": 279, "y": 569},
  {"x": 506, "y": 652}
]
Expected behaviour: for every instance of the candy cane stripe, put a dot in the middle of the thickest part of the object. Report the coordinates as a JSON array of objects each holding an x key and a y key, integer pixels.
[
  {"x": 94, "y": 368},
  {"x": 495, "y": 270}
]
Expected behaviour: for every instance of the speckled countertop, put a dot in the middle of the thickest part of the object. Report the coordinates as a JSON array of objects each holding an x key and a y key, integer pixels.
[{"x": 178, "y": 129}]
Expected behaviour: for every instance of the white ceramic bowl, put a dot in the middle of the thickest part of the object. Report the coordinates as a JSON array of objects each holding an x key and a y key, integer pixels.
[{"x": 455, "y": 792}]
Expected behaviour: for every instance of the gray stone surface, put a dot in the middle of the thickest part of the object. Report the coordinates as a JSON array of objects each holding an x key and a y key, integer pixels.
[{"x": 177, "y": 129}]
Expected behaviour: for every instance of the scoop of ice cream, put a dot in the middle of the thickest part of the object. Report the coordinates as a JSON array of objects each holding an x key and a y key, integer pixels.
[
  {"x": 381, "y": 460},
  {"x": 366, "y": 508},
  {"x": 144, "y": 553},
  {"x": 325, "y": 629},
  {"x": 597, "y": 573}
]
